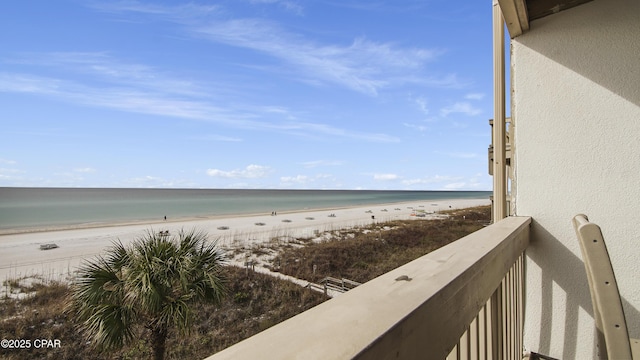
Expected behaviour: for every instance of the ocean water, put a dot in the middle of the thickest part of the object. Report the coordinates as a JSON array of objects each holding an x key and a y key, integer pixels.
[{"x": 60, "y": 207}]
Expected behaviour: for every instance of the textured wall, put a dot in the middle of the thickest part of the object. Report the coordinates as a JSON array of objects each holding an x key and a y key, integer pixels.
[{"x": 576, "y": 106}]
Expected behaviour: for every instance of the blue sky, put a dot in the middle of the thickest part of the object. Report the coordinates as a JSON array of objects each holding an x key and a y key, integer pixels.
[{"x": 268, "y": 94}]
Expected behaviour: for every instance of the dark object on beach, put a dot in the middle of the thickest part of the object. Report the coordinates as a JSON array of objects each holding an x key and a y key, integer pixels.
[
  {"x": 223, "y": 228},
  {"x": 260, "y": 224},
  {"x": 48, "y": 246}
]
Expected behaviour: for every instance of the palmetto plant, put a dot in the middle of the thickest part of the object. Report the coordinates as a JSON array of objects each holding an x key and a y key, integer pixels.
[{"x": 150, "y": 283}]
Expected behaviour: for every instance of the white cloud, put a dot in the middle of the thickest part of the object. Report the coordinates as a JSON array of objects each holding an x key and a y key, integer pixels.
[
  {"x": 317, "y": 163},
  {"x": 418, "y": 127},
  {"x": 313, "y": 129},
  {"x": 174, "y": 13},
  {"x": 474, "y": 96},
  {"x": 279, "y": 110},
  {"x": 7, "y": 161},
  {"x": 458, "y": 155},
  {"x": 214, "y": 137},
  {"x": 105, "y": 69},
  {"x": 385, "y": 177},
  {"x": 364, "y": 66},
  {"x": 149, "y": 181},
  {"x": 300, "y": 179},
  {"x": 455, "y": 186},
  {"x": 84, "y": 170},
  {"x": 7, "y": 175},
  {"x": 470, "y": 184},
  {"x": 250, "y": 172},
  {"x": 135, "y": 98},
  {"x": 10, "y": 171},
  {"x": 290, "y": 6},
  {"x": 462, "y": 108},
  {"x": 450, "y": 81},
  {"x": 459, "y": 125},
  {"x": 430, "y": 180},
  {"x": 422, "y": 105},
  {"x": 158, "y": 98}
]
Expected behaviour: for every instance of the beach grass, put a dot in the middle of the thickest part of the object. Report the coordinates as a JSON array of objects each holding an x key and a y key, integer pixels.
[
  {"x": 255, "y": 302},
  {"x": 361, "y": 254}
]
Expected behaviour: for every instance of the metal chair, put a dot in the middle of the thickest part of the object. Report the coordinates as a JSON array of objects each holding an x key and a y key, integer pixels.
[{"x": 611, "y": 325}]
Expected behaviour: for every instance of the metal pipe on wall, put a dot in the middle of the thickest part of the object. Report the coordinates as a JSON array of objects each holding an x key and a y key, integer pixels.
[{"x": 499, "y": 123}]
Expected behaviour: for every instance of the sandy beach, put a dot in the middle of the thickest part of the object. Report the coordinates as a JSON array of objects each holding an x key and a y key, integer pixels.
[{"x": 21, "y": 256}]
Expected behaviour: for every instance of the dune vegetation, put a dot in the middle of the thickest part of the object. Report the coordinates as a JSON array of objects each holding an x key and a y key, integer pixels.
[{"x": 253, "y": 301}]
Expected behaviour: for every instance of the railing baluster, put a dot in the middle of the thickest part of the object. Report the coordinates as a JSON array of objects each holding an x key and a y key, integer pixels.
[
  {"x": 513, "y": 309},
  {"x": 496, "y": 332},
  {"x": 482, "y": 333},
  {"x": 506, "y": 324},
  {"x": 497, "y": 324},
  {"x": 520, "y": 302},
  {"x": 473, "y": 339},
  {"x": 454, "y": 355}
]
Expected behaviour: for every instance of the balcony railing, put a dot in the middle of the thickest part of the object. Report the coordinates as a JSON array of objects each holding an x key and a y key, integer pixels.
[{"x": 462, "y": 301}]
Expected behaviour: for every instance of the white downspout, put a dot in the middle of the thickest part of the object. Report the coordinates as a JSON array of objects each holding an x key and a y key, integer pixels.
[{"x": 499, "y": 123}]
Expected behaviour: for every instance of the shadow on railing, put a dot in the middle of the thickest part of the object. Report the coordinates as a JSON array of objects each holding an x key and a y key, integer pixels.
[{"x": 461, "y": 301}]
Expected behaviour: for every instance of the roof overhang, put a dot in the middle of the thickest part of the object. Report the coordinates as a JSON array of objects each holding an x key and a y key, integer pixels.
[
  {"x": 519, "y": 13},
  {"x": 515, "y": 16}
]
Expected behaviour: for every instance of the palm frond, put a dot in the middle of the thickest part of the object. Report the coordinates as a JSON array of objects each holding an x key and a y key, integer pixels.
[
  {"x": 110, "y": 326},
  {"x": 155, "y": 278}
]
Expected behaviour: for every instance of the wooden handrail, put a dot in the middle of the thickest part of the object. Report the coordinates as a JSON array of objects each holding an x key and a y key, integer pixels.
[{"x": 419, "y": 310}]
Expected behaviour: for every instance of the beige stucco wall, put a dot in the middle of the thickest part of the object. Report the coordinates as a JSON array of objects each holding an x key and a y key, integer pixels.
[{"x": 576, "y": 108}]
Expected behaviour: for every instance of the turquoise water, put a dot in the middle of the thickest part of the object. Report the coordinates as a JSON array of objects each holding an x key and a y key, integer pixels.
[{"x": 46, "y": 207}]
